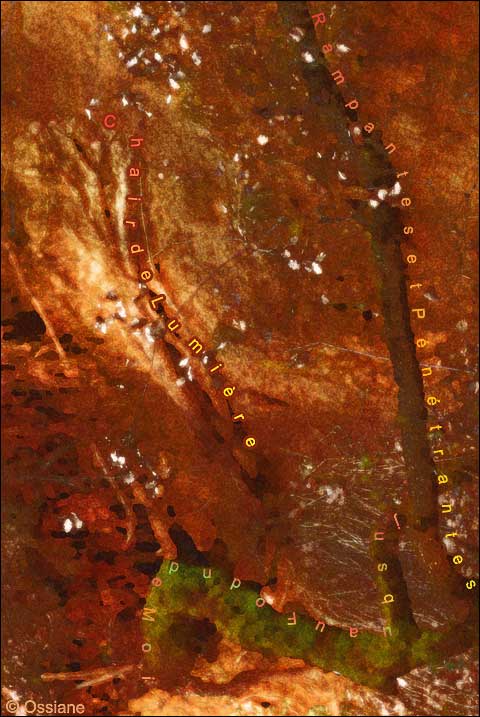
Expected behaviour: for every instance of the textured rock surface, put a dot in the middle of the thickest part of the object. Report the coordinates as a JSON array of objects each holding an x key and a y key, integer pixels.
[
  {"x": 261, "y": 213},
  {"x": 300, "y": 690}
]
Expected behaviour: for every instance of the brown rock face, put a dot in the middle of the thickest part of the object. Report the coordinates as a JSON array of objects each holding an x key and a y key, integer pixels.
[
  {"x": 274, "y": 226},
  {"x": 301, "y": 690}
]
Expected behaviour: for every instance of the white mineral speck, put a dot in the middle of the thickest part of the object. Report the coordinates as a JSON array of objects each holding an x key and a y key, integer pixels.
[
  {"x": 308, "y": 57},
  {"x": 449, "y": 544},
  {"x": 117, "y": 459},
  {"x": 296, "y": 34},
  {"x": 262, "y": 139},
  {"x": 158, "y": 57},
  {"x": 173, "y": 84},
  {"x": 148, "y": 334},
  {"x": 334, "y": 493},
  {"x": 121, "y": 309},
  {"x": 77, "y": 521},
  {"x": 184, "y": 42},
  {"x": 206, "y": 29},
  {"x": 293, "y": 264},
  {"x": 316, "y": 267},
  {"x": 67, "y": 525},
  {"x": 342, "y": 175}
]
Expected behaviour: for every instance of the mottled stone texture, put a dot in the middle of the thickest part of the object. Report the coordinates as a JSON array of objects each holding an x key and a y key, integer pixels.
[
  {"x": 287, "y": 688},
  {"x": 275, "y": 230}
]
